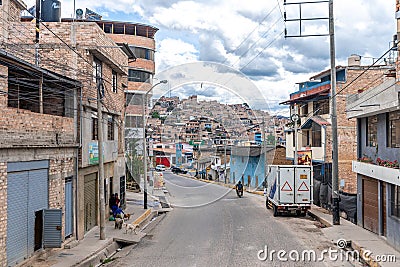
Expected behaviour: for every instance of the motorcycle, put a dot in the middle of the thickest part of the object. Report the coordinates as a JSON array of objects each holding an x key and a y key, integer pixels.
[{"x": 239, "y": 192}]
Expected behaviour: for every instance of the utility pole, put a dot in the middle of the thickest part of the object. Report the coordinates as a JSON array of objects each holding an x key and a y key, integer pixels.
[
  {"x": 335, "y": 160},
  {"x": 144, "y": 106},
  {"x": 331, "y": 34},
  {"x": 295, "y": 120},
  {"x": 37, "y": 29},
  {"x": 263, "y": 148},
  {"x": 101, "y": 159}
]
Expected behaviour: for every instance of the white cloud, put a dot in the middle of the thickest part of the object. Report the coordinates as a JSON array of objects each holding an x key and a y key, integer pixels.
[
  {"x": 173, "y": 52},
  {"x": 213, "y": 30}
]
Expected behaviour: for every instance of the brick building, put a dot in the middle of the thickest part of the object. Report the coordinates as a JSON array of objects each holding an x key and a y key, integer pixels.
[
  {"x": 38, "y": 148},
  {"x": 64, "y": 131}
]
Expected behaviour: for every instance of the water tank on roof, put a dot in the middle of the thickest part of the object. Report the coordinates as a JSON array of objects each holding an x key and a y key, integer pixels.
[
  {"x": 51, "y": 10},
  {"x": 354, "y": 60}
]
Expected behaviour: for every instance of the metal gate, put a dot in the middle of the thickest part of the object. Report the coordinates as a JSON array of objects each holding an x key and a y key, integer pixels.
[
  {"x": 52, "y": 221},
  {"x": 90, "y": 201},
  {"x": 27, "y": 192},
  {"x": 68, "y": 207}
]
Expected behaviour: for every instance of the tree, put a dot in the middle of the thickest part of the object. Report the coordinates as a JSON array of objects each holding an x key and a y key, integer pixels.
[
  {"x": 271, "y": 139},
  {"x": 155, "y": 114}
]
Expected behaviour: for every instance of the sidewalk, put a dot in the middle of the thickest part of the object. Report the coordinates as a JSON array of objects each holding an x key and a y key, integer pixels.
[
  {"x": 91, "y": 250},
  {"x": 361, "y": 239}
]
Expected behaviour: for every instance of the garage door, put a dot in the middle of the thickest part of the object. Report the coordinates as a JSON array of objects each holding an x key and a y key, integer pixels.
[
  {"x": 90, "y": 201},
  {"x": 27, "y": 192},
  {"x": 370, "y": 204}
]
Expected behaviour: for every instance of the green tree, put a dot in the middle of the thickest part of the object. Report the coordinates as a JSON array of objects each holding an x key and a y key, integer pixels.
[
  {"x": 155, "y": 114},
  {"x": 271, "y": 139}
]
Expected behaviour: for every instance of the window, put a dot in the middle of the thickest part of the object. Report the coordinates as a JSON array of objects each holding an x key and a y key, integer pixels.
[
  {"x": 110, "y": 128},
  {"x": 393, "y": 129},
  {"x": 304, "y": 109},
  {"x": 141, "y": 52},
  {"x": 95, "y": 135},
  {"x": 114, "y": 82},
  {"x": 321, "y": 107},
  {"x": 134, "y": 99},
  {"x": 133, "y": 122},
  {"x": 97, "y": 70},
  {"x": 372, "y": 128},
  {"x": 139, "y": 76},
  {"x": 316, "y": 135},
  {"x": 395, "y": 201}
]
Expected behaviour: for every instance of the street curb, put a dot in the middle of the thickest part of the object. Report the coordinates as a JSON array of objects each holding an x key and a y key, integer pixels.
[
  {"x": 318, "y": 218},
  {"x": 94, "y": 258},
  {"x": 370, "y": 261},
  {"x": 112, "y": 245}
]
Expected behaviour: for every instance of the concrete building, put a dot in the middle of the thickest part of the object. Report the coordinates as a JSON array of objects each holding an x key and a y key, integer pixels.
[
  {"x": 377, "y": 111},
  {"x": 248, "y": 164}
]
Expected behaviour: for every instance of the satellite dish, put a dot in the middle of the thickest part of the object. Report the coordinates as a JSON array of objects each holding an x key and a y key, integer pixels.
[{"x": 79, "y": 13}]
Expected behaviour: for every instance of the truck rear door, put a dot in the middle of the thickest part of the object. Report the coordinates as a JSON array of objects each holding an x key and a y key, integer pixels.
[
  {"x": 286, "y": 185},
  {"x": 303, "y": 185}
]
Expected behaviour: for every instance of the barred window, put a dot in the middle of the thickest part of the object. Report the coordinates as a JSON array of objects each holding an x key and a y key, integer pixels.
[
  {"x": 114, "y": 82},
  {"x": 110, "y": 128},
  {"x": 95, "y": 135}
]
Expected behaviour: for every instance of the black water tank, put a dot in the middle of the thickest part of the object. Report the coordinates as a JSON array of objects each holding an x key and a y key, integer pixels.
[{"x": 51, "y": 10}]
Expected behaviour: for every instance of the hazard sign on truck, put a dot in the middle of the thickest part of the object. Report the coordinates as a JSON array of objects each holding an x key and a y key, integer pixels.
[{"x": 289, "y": 189}]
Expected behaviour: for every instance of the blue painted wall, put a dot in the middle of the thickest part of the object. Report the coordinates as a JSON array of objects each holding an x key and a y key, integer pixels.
[
  {"x": 244, "y": 166},
  {"x": 386, "y": 153},
  {"x": 382, "y": 151}
]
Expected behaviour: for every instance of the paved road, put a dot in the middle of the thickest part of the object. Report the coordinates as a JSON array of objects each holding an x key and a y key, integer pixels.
[{"x": 211, "y": 226}]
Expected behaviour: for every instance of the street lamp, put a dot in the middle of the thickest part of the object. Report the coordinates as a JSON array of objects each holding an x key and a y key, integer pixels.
[{"x": 144, "y": 104}]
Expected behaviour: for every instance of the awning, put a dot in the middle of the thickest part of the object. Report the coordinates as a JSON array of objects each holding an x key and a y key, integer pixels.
[{"x": 317, "y": 119}]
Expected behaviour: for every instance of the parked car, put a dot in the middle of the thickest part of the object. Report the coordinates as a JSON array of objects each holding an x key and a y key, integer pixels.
[
  {"x": 178, "y": 170},
  {"x": 160, "y": 168}
]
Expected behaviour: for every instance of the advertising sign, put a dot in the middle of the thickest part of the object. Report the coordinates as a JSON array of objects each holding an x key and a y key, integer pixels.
[
  {"x": 304, "y": 157},
  {"x": 93, "y": 153}
]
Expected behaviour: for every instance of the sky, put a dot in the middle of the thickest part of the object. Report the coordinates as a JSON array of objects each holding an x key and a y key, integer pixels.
[{"x": 248, "y": 36}]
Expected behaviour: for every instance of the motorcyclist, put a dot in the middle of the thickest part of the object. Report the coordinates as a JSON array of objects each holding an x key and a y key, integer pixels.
[{"x": 239, "y": 189}]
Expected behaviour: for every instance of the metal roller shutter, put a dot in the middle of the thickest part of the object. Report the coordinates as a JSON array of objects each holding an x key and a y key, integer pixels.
[
  {"x": 27, "y": 192},
  {"x": 90, "y": 201},
  {"x": 17, "y": 220},
  {"x": 52, "y": 221}
]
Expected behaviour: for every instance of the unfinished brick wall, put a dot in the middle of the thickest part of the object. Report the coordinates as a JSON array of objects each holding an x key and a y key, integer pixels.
[
  {"x": 3, "y": 213},
  {"x": 25, "y": 128}
]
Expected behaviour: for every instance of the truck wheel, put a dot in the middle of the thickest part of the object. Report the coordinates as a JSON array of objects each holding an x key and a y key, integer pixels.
[
  {"x": 267, "y": 204},
  {"x": 275, "y": 210}
]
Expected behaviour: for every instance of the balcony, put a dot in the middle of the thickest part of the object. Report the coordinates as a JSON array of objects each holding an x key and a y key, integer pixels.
[{"x": 389, "y": 175}]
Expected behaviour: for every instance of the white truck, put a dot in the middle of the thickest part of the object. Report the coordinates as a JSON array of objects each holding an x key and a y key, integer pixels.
[{"x": 289, "y": 189}]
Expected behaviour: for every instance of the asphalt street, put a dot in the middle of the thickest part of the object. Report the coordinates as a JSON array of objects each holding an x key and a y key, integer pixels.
[{"x": 211, "y": 226}]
